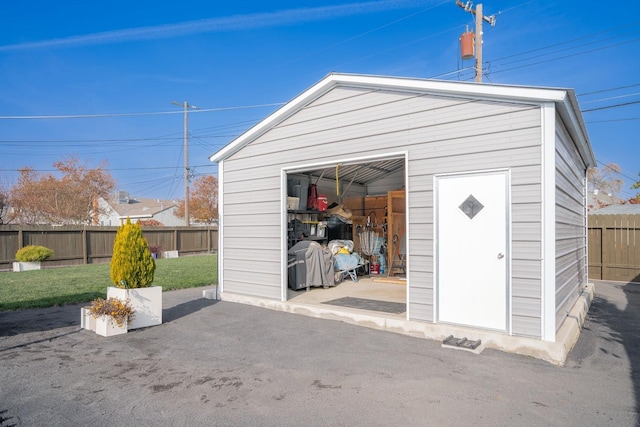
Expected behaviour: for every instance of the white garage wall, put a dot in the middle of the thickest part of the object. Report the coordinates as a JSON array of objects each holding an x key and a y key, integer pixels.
[{"x": 441, "y": 135}]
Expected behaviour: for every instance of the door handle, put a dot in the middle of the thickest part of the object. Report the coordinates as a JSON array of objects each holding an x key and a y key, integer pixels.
[{"x": 500, "y": 255}]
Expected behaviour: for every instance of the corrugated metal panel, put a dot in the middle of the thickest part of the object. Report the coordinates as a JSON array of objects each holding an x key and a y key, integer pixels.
[
  {"x": 235, "y": 282},
  {"x": 570, "y": 224},
  {"x": 382, "y": 185},
  {"x": 526, "y": 193},
  {"x": 569, "y": 244},
  {"x": 422, "y": 263},
  {"x": 526, "y": 268},
  {"x": 250, "y": 219},
  {"x": 567, "y": 217},
  {"x": 530, "y": 324},
  {"x": 526, "y": 175},
  {"x": 254, "y": 232},
  {"x": 527, "y": 307},
  {"x": 526, "y": 288},
  {"x": 421, "y": 230},
  {"x": 527, "y": 231},
  {"x": 240, "y": 254},
  {"x": 421, "y": 312},
  {"x": 525, "y": 212},
  {"x": 252, "y": 186},
  {"x": 527, "y": 250},
  {"x": 467, "y": 162},
  {"x": 421, "y": 290},
  {"x": 573, "y": 260}
]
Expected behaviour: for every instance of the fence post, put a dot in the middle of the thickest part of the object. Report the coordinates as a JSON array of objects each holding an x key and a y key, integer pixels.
[
  {"x": 20, "y": 239},
  {"x": 85, "y": 256}
]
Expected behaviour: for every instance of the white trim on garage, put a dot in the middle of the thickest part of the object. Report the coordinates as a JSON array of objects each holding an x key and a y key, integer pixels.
[{"x": 548, "y": 290}]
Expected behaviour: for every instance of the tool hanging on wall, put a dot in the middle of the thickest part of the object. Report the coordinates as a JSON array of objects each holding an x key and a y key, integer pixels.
[{"x": 400, "y": 262}]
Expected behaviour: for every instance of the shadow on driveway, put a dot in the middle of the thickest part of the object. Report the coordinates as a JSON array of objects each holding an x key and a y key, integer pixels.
[
  {"x": 612, "y": 328},
  {"x": 19, "y": 322}
]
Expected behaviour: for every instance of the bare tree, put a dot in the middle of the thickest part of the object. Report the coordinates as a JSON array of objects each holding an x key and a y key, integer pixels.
[
  {"x": 605, "y": 179},
  {"x": 68, "y": 198}
]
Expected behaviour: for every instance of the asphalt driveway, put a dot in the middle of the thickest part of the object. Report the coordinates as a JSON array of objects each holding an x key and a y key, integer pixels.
[{"x": 220, "y": 363}]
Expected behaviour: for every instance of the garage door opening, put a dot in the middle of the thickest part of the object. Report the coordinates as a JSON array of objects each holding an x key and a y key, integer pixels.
[{"x": 346, "y": 235}]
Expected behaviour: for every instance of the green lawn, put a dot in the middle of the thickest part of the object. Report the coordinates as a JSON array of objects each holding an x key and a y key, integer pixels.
[{"x": 70, "y": 285}]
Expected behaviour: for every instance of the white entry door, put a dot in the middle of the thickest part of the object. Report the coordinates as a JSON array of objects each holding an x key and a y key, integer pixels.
[{"x": 472, "y": 235}]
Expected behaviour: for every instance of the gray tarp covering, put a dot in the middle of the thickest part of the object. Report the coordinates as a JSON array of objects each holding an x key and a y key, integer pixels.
[{"x": 318, "y": 262}]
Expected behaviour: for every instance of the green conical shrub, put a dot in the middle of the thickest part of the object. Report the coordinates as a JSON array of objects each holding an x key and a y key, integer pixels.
[{"x": 132, "y": 265}]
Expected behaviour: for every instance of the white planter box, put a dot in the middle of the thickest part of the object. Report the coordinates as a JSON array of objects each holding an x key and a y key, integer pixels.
[
  {"x": 170, "y": 254},
  {"x": 146, "y": 303},
  {"x": 26, "y": 266},
  {"x": 87, "y": 321},
  {"x": 107, "y": 328}
]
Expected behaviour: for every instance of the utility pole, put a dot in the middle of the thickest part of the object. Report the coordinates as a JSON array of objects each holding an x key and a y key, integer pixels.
[
  {"x": 491, "y": 20},
  {"x": 186, "y": 107}
]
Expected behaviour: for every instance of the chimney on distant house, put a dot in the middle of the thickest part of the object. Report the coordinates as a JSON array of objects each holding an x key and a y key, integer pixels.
[{"x": 123, "y": 197}]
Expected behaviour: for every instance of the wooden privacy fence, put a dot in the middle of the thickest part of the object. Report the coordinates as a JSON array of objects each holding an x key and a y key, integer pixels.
[
  {"x": 614, "y": 247},
  {"x": 74, "y": 245}
]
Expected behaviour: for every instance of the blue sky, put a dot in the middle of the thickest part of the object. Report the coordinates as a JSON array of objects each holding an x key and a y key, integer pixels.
[{"x": 96, "y": 79}]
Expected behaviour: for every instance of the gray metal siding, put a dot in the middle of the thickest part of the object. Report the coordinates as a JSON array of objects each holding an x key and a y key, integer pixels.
[
  {"x": 380, "y": 187},
  {"x": 441, "y": 135},
  {"x": 570, "y": 224}
]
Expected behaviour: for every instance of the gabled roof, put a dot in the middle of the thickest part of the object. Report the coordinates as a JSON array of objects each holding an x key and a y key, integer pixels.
[
  {"x": 141, "y": 207},
  {"x": 564, "y": 99},
  {"x": 626, "y": 209}
]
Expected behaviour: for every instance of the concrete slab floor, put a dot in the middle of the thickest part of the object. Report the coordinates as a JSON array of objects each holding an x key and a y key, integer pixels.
[{"x": 365, "y": 287}]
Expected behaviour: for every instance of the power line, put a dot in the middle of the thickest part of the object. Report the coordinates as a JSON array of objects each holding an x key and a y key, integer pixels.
[
  {"x": 557, "y": 51},
  {"x": 618, "y": 172},
  {"x": 568, "y": 41},
  {"x": 93, "y": 116},
  {"x": 611, "y": 97},
  {"x": 568, "y": 56},
  {"x": 23, "y": 141},
  {"x": 611, "y": 106},
  {"x": 110, "y": 169},
  {"x": 608, "y": 90},
  {"x": 613, "y": 120}
]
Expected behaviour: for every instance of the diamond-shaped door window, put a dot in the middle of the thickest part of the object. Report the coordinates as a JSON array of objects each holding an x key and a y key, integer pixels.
[{"x": 471, "y": 206}]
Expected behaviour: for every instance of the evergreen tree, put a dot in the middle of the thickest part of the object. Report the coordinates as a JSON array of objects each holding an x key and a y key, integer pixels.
[{"x": 132, "y": 265}]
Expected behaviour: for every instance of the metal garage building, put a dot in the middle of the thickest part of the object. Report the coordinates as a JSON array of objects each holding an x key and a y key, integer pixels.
[{"x": 495, "y": 180}]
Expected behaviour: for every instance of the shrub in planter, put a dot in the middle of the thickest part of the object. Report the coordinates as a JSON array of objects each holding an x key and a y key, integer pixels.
[
  {"x": 33, "y": 253},
  {"x": 132, "y": 265},
  {"x": 118, "y": 312},
  {"x": 132, "y": 270}
]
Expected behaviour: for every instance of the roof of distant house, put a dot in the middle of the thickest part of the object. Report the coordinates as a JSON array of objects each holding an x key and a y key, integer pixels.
[
  {"x": 141, "y": 207},
  {"x": 596, "y": 202},
  {"x": 626, "y": 209}
]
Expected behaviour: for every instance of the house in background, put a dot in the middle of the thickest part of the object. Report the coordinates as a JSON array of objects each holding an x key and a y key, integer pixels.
[
  {"x": 597, "y": 200},
  {"x": 494, "y": 216},
  {"x": 116, "y": 211}
]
